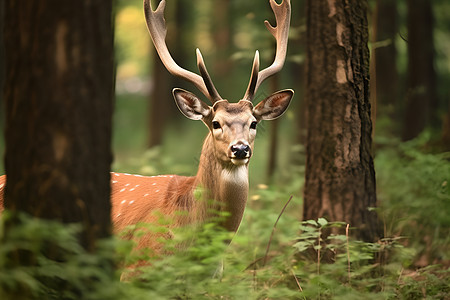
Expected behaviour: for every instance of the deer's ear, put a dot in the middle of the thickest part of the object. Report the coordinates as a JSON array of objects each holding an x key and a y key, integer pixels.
[
  {"x": 273, "y": 106},
  {"x": 191, "y": 106}
]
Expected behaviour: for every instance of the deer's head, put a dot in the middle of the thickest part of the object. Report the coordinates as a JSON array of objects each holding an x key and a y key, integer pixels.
[{"x": 232, "y": 125}]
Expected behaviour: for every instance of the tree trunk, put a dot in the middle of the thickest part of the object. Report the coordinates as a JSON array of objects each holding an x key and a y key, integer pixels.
[
  {"x": 385, "y": 31},
  {"x": 222, "y": 64},
  {"x": 384, "y": 75},
  {"x": 298, "y": 70},
  {"x": 59, "y": 95},
  {"x": 2, "y": 60},
  {"x": 160, "y": 102},
  {"x": 340, "y": 176},
  {"x": 162, "y": 106},
  {"x": 421, "y": 99},
  {"x": 273, "y": 142},
  {"x": 445, "y": 136}
]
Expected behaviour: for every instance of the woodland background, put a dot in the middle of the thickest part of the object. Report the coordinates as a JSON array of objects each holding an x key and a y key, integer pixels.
[{"x": 409, "y": 92}]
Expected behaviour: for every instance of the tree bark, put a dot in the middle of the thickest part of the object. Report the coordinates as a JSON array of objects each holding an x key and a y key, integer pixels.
[
  {"x": 421, "y": 98},
  {"x": 162, "y": 107},
  {"x": 160, "y": 102},
  {"x": 298, "y": 70},
  {"x": 445, "y": 136},
  {"x": 385, "y": 31},
  {"x": 222, "y": 65},
  {"x": 274, "y": 137},
  {"x": 2, "y": 58},
  {"x": 59, "y": 98},
  {"x": 384, "y": 75},
  {"x": 340, "y": 176}
]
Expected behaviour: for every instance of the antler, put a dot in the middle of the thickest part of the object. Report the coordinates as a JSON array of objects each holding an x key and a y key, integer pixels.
[
  {"x": 280, "y": 32},
  {"x": 156, "y": 25}
]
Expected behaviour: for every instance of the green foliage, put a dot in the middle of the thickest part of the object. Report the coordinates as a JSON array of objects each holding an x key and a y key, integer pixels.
[
  {"x": 338, "y": 267},
  {"x": 311, "y": 266},
  {"x": 185, "y": 273},
  {"x": 43, "y": 260},
  {"x": 414, "y": 194}
]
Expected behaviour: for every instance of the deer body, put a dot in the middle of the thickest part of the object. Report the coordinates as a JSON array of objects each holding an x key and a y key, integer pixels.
[{"x": 135, "y": 198}]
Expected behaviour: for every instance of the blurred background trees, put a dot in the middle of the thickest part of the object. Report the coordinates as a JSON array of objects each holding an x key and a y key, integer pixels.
[
  {"x": 384, "y": 83},
  {"x": 421, "y": 95},
  {"x": 228, "y": 40},
  {"x": 409, "y": 44}
]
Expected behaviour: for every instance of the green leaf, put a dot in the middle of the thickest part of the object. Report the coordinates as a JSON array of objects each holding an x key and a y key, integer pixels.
[
  {"x": 322, "y": 222},
  {"x": 311, "y": 222}
]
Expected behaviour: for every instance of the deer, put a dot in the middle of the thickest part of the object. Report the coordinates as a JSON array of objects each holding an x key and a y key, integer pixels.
[{"x": 226, "y": 152}]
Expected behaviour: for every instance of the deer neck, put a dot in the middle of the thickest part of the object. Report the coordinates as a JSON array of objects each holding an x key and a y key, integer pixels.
[{"x": 225, "y": 185}]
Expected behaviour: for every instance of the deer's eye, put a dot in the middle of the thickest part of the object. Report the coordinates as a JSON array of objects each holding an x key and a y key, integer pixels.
[
  {"x": 216, "y": 125},
  {"x": 253, "y": 125}
]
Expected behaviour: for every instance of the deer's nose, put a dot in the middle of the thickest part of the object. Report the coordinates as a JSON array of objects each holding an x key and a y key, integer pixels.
[{"x": 241, "y": 151}]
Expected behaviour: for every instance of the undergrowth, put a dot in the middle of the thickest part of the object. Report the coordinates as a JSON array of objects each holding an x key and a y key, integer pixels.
[
  {"x": 414, "y": 196},
  {"x": 312, "y": 266},
  {"x": 272, "y": 256}
]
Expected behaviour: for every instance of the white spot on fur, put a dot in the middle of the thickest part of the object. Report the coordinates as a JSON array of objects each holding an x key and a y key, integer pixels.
[
  {"x": 116, "y": 174},
  {"x": 114, "y": 181},
  {"x": 132, "y": 189},
  {"x": 154, "y": 183},
  {"x": 2, "y": 185},
  {"x": 145, "y": 195},
  {"x": 123, "y": 202},
  {"x": 127, "y": 184},
  {"x": 122, "y": 190},
  {"x": 118, "y": 215},
  {"x": 131, "y": 202},
  {"x": 156, "y": 191}
]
